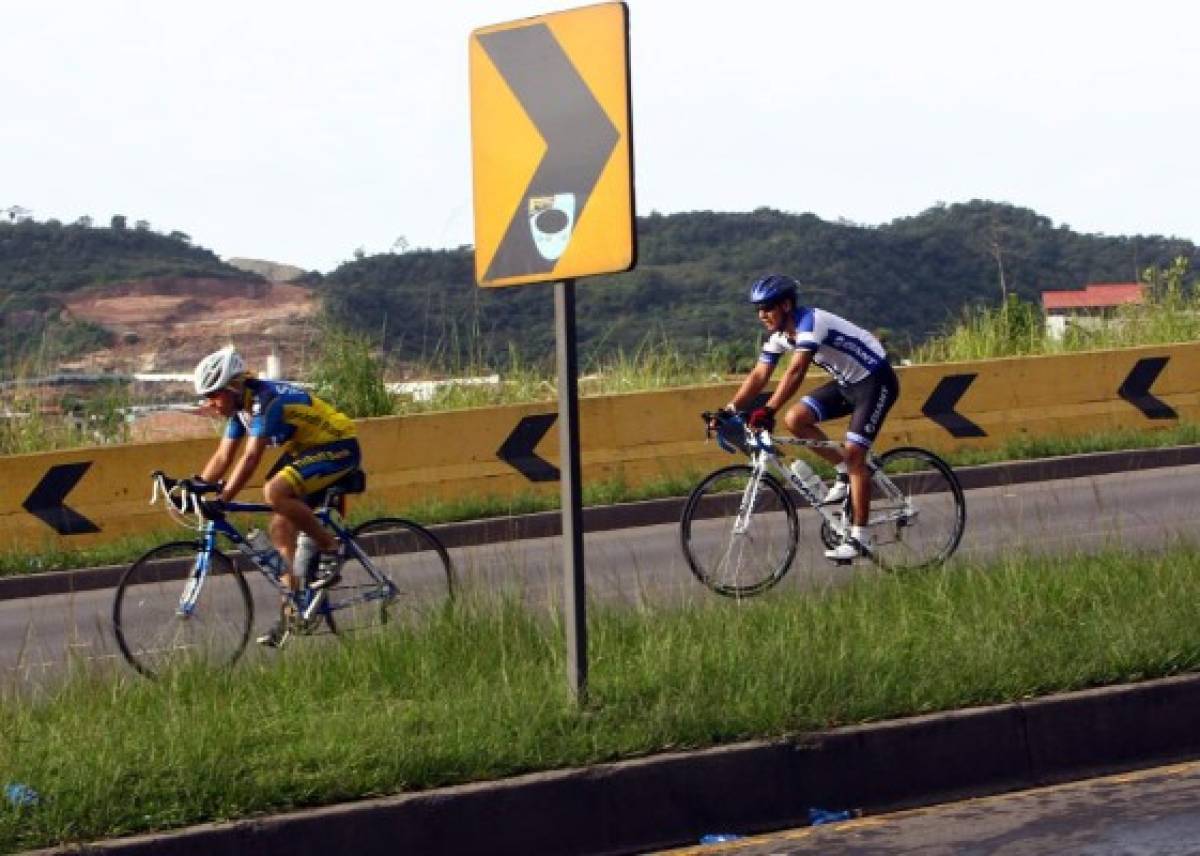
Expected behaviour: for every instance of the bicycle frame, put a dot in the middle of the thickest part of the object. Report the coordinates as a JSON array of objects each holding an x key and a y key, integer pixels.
[
  {"x": 213, "y": 526},
  {"x": 765, "y": 458}
]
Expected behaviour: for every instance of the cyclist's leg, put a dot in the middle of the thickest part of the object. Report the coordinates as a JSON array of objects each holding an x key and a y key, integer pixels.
[
  {"x": 307, "y": 473},
  {"x": 872, "y": 399},
  {"x": 802, "y": 418}
]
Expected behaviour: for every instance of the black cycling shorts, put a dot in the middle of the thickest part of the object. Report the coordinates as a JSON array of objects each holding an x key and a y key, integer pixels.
[{"x": 867, "y": 402}]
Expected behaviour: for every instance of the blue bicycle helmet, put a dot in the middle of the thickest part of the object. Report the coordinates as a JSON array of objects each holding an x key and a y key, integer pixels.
[{"x": 769, "y": 290}]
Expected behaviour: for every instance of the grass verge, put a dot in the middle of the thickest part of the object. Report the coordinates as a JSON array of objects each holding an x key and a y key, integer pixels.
[{"x": 478, "y": 692}]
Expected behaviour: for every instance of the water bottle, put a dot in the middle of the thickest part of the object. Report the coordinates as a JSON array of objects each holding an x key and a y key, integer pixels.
[
  {"x": 811, "y": 481},
  {"x": 264, "y": 554},
  {"x": 305, "y": 556},
  {"x": 718, "y": 838}
]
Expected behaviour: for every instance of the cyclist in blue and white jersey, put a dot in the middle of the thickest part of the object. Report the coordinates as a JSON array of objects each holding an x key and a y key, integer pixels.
[
  {"x": 864, "y": 386},
  {"x": 319, "y": 444}
]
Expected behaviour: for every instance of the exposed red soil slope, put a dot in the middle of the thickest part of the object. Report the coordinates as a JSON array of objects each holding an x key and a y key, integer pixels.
[{"x": 166, "y": 325}]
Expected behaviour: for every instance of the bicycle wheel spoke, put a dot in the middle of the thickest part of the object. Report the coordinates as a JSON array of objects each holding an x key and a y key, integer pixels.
[
  {"x": 917, "y": 510},
  {"x": 739, "y": 535},
  {"x": 413, "y": 576},
  {"x": 157, "y": 630}
]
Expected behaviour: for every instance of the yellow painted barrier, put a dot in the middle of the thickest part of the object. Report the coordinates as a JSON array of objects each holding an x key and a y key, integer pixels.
[{"x": 94, "y": 495}]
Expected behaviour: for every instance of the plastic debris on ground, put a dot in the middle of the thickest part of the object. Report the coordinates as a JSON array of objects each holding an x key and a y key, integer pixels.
[
  {"x": 718, "y": 838},
  {"x": 821, "y": 816},
  {"x": 21, "y": 795}
]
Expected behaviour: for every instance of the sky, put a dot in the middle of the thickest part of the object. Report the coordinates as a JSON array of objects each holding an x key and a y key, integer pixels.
[{"x": 300, "y": 132}]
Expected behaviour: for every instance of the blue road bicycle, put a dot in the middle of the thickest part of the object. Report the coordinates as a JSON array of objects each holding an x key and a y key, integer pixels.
[{"x": 188, "y": 600}]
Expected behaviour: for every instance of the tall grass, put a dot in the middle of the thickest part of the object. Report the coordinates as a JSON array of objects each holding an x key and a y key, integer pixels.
[
  {"x": 478, "y": 692},
  {"x": 657, "y": 363},
  {"x": 40, "y": 420},
  {"x": 1170, "y": 314},
  {"x": 347, "y": 373}
]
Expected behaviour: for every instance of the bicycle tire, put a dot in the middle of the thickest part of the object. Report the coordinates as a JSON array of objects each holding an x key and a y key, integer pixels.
[
  {"x": 731, "y": 563},
  {"x": 411, "y": 557},
  {"x": 151, "y": 633},
  {"x": 922, "y": 524}
]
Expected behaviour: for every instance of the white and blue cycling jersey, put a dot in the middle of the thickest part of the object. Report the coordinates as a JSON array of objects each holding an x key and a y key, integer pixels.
[{"x": 846, "y": 351}]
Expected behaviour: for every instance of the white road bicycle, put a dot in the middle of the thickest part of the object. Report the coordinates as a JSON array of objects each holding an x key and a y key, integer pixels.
[{"x": 740, "y": 531}]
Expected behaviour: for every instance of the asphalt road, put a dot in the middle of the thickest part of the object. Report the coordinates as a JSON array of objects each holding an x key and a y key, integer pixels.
[
  {"x": 1154, "y": 811},
  {"x": 1143, "y": 509}
]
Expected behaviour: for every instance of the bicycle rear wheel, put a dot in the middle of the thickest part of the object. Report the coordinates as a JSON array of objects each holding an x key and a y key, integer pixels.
[
  {"x": 160, "y": 621},
  {"x": 917, "y": 512},
  {"x": 739, "y": 531},
  {"x": 412, "y": 576}
]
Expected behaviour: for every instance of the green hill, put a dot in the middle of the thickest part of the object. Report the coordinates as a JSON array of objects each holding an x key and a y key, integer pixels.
[{"x": 908, "y": 278}]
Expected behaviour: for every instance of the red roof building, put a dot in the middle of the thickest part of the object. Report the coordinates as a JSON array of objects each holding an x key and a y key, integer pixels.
[
  {"x": 1105, "y": 295},
  {"x": 1089, "y": 306}
]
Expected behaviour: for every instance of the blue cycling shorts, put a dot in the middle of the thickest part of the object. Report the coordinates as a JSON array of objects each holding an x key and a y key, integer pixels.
[{"x": 317, "y": 467}]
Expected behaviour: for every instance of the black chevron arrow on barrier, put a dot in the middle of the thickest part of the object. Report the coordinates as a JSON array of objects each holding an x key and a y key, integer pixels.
[
  {"x": 1136, "y": 389},
  {"x": 940, "y": 406},
  {"x": 45, "y": 501},
  {"x": 578, "y": 134},
  {"x": 517, "y": 450}
]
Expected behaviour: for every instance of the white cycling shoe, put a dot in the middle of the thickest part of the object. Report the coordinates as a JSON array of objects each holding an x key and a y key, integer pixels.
[
  {"x": 838, "y": 491},
  {"x": 858, "y": 544}
]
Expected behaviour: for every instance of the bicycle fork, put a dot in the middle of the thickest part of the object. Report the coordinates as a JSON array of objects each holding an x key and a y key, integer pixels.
[
  {"x": 191, "y": 591},
  {"x": 741, "y": 523}
]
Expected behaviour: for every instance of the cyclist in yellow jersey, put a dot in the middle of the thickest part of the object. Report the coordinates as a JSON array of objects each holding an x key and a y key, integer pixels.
[{"x": 319, "y": 446}]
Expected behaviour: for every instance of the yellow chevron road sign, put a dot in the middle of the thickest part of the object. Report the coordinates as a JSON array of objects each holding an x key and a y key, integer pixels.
[{"x": 551, "y": 146}]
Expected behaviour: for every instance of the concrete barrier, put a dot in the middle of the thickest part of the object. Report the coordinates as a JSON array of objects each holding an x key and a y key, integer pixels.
[{"x": 95, "y": 495}]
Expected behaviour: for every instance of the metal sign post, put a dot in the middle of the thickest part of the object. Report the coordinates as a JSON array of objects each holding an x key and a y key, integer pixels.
[
  {"x": 553, "y": 177},
  {"x": 574, "y": 589}
]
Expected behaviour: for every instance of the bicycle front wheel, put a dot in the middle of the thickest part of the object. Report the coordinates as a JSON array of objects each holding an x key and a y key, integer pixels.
[
  {"x": 739, "y": 531},
  {"x": 917, "y": 510},
  {"x": 177, "y": 604},
  {"x": 407, "y": 573}
]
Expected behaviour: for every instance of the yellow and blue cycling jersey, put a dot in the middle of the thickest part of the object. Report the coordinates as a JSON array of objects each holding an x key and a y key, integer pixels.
[
  {"x": 288, "y": 416},
  {"x": 319, "y": 441}
]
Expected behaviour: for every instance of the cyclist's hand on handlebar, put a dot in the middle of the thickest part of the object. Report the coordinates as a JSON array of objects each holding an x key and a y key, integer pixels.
[
  {"x": 211, "y": 509},
  {"x": 200, "y": 487},
  {"x": 762, "y": 418},
  {"x": 712, "y": 418}
]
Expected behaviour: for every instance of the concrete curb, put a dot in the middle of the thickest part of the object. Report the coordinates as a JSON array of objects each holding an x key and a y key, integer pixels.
[
  {"x": 671, "y": 800},
  {"x": 548, "y": 524}
]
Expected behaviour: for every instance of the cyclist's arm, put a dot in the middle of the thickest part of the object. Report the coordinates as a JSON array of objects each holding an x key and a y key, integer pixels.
[
  {"x": 752, "y": 385},
  {"x": 219, "y": 463},
  {"x": 245, "y": 467},
  {"x": 791, "y": 380}
]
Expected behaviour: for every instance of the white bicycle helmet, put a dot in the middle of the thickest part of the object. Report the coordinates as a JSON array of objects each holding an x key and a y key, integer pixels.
[{"x": 218, "y": 370}]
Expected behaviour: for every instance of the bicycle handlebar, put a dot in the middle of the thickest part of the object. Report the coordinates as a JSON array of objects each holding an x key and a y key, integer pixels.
[
  {"x": 186, "y": 496},
  {"x": 727, "y": 421}
]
